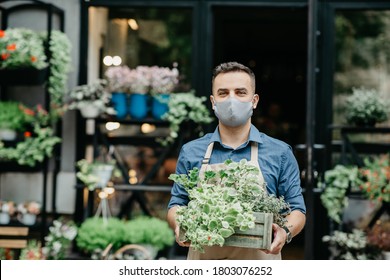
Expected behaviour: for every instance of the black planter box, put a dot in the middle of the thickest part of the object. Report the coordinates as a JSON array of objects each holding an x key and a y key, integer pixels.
[{"x": 23, "y": 76}]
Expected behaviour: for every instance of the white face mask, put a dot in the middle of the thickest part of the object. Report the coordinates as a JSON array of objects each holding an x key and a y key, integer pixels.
[{"x": 233, "y": 112}]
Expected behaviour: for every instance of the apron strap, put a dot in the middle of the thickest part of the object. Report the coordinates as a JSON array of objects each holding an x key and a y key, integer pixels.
[
  {"x": 206, "y": 158},
  {"x": 254, "y": 151}
]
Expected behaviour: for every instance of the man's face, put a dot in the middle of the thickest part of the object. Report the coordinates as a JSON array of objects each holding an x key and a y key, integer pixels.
[{"x": 234, "y": 84}]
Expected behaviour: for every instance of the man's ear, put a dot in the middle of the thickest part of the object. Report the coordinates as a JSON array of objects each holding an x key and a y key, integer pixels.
[
  {"x": 256, "y": 99},
  {"x": 212, "y": 101}
]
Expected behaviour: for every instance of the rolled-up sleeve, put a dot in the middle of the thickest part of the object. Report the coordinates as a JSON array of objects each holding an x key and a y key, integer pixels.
[{"x": 290, "y": 183}]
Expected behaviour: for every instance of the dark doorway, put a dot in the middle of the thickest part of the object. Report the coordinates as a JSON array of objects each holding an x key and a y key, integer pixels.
[{"x": 273, "y": 42}]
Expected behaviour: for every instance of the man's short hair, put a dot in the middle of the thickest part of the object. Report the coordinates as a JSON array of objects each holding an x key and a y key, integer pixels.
[{"x": 227, "y": 67}]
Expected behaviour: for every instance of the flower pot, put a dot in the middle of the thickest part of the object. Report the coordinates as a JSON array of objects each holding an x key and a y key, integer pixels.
[
  {"x": 138, "y": 107},
  {"x": 119, "y": 100},
  {"x": 4, "y": 218},
  {"x": 7, "y": 134},
  {"x": 160, "y": 105},
  {"x": 28, "y": 219},
  {"x": 90, "y": 111},
  {"x": 104, "y": 173},
  {"x": 23, "y": 76}
]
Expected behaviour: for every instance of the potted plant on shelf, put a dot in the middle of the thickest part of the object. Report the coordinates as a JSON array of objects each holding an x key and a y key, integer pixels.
[
  {"x": 379, "y": 236},
  {"x": 163, "y": 82},
  {"x": 95, "y": 174},
  {"x": 225, "y": 202},
  {"x": 366, "y": 107},
  {"x": 350, "y": 246},
  {"x": 118, "y": 83},
  {"x": 185, "y": 108},
  {"x": 12, "y": 119},
  {"x": 337, "y": 181},
  {"x": 139, "y": 87},
  {"x": 7, "y": 209},
  {"x": 91, "y": 99},
  {"x": 21, "y": 49},
  {"x": 375, "y": 178},
  {"x": 28, "y": 212}
]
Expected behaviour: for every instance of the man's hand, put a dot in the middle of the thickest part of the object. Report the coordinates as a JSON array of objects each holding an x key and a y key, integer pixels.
[
  {"x": 280, "y": 237},
  {"x": 181, "y": 243}
]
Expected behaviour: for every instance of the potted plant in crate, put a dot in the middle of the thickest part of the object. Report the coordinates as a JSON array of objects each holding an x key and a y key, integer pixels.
[
  {"x": 366, "y": 107},
  {"x": 226, "y": 202}
]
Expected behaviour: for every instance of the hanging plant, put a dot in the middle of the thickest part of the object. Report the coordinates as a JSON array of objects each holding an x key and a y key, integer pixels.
[{"x": 185, "y": 107}]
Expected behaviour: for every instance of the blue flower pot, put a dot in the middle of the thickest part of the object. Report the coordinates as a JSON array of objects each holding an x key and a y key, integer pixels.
[
  {"x": 160, "y": 105},
  {"x": 138, "y": 107},
  {"x": 119, "y": 101}
]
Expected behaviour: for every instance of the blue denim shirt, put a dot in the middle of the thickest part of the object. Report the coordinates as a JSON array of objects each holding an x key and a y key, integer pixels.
[{"x": 276, "y": 159}]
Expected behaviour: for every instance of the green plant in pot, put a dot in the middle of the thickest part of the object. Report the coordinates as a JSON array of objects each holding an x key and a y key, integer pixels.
[
  {"x": 91, "y": 99},
  {"x": 337, "y": 181},
  {"x": 366, "y": 107},
  {"x": 150, "y": 232},
  {"x": 224, "y": 202},
  {"x": 12, "y": 119},
  {"x": 182, "y": 108},
  {"x": 96, "y": 234},
  {"x": 95, "y": 174}
]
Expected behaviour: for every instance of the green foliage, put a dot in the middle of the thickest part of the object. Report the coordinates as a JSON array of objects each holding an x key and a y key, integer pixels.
[
  {"x": 60, "y": 65},
  {"x": 21, "y": 48},
  {"x": 59, "y": 239},
  {"x": 149, "y": 230},
  {"x": 86, "y": 172},
  {"x": 336, "y": 183},
  {"x": 222, "y": 202},
  {"x": 366, "y": 106},
  {"x": 349, "y": 246},
  {"x": 95, "y": 234},
  {"x": 11, "y": 115},
  {"x": 185, "y": 107},
  {"x": 32, "y": 149}
]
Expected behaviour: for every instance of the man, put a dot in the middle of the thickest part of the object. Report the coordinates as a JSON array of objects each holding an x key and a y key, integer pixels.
[{"x": 233, "y": 99}]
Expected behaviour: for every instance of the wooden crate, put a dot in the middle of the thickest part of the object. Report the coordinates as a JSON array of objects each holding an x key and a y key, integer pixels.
[{"x": 259, "y": 237}]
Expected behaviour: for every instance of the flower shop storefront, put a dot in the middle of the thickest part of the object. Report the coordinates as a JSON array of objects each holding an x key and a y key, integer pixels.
[
  {"x": 144, "y": 78},
  {"x": 306, "y": 53}
]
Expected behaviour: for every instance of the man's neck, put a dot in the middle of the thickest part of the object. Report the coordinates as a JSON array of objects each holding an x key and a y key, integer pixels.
[{"x": 234, "y": 136}]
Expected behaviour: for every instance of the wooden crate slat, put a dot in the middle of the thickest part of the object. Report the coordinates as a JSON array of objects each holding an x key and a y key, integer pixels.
[
  {"x": 13, "y": 243},
  {"x": 245, "y": 241},
  {"x": 15, "y": 231}
]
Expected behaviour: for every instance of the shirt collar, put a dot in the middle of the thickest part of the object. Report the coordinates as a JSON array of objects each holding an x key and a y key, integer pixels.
[{"x": 254, "y": 135}]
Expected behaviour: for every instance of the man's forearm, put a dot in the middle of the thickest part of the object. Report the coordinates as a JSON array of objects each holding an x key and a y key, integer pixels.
[
  {"x": 171, "y": 217},
  {"x": 295, "y": 222}
]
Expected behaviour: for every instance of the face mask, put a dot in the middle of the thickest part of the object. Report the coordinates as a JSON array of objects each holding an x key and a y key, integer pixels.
[{"x": 233, "y": 112}]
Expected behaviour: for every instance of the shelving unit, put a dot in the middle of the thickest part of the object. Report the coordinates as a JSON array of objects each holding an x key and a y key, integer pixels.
[
  {"x": 85, "y": 199},
  {"x": 33, "y": 77},
  {"x": 350, "y": 150}
]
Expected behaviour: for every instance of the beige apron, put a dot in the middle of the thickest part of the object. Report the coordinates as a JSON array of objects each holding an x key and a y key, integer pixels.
[{"x": 227, "y": 252}]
